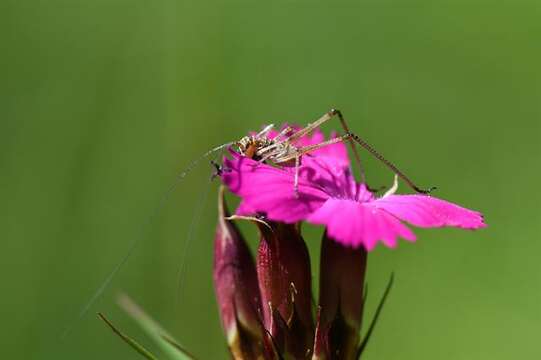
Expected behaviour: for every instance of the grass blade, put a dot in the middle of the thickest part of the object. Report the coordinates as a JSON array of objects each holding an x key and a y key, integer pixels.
[
  {"x": 163, "y": 339},
  {"x": 376, "y": 316},
  {"x": 134, "y": 344}
]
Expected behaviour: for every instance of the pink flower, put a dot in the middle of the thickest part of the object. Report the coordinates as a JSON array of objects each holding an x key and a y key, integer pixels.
[{"x": 329, "y": 195}]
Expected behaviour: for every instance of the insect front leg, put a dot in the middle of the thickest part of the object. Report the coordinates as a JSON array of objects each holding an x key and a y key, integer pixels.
[
  {"x": 265, "y": 131},
  {"x": 284, "y": 132}
]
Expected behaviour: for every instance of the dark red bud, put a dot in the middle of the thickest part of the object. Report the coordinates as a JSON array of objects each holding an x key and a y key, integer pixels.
[
  {"x": 284, "y": 273},
  {"x": 342, "y": 274},
  {"x": 235, "y": 282},
  {"x": 321, "y": 340}
]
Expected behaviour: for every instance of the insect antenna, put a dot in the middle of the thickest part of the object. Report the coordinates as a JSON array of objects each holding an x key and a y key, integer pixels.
[
  {"x": 137, "y": 240},
  {"x": 192, "y": 232}
]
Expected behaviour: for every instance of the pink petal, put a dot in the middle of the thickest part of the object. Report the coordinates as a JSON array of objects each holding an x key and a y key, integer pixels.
[
  {"x": 335, "y": 154},
  {"x": 270, "y": 190},
  {"x": 315, "y": 137},
  {"x": 332, "y": 157},
  {"x": 245, "y": 209},
  {"x": 427, "y": 211},
  {"x": 354, "y": 224}
]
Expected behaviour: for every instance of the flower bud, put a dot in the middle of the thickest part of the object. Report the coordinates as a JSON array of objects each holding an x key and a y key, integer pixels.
[
  {"x": 235, "y": 282},
  {"x": 321, "y": 340},
  {"x": 284, "y": 273},
  {"x": 342, "y": 274}
]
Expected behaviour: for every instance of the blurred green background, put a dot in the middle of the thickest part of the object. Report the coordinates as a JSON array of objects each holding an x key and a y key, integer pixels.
[{"x": 103, "y": 102}]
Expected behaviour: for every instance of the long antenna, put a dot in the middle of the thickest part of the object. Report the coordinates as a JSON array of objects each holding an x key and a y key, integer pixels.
[
  {"x": 192, "y": 232},
  {"x": 135, "y": 243}
]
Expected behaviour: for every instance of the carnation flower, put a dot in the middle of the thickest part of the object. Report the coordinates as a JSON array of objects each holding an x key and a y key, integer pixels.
[{"x": 329, "y": 195}]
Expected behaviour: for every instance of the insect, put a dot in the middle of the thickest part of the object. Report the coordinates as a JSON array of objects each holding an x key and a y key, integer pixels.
[{"x": 281, "y": 149}]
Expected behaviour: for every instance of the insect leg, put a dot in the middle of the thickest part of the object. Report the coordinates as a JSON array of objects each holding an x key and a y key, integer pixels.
[
  {"x": 309, "y": 148},
  {"x": 284, "y": 132},
  {"x": 364, "y": 144},
  {"x": 265, "y": 131},
  {"x": 351, "y": 138},
  {"x": 311, "y": 127},
  {"x": 304, "y": 150},
  {"x": 326, "y": 117},
  {"x": 390, "y": 165},
  {"x": 351, "y": 143}
]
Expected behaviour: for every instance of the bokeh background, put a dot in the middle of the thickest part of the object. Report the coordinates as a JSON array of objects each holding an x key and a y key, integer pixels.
[{"x": 103, "y": 102}]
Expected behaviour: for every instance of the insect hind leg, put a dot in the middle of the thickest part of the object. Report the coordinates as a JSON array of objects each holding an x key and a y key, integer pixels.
[
  {"x": 389, "y": 164},
  {"x": 336, "y": 112},
  {"x": 352, "y": 138}
]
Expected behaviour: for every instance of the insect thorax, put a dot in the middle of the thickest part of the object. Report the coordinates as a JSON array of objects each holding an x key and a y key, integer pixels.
[
  {"x": 263, "y": 148},
  {"x": 250, "y": 145}
]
